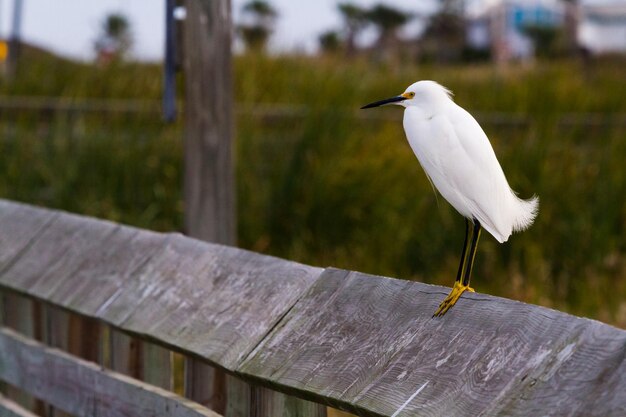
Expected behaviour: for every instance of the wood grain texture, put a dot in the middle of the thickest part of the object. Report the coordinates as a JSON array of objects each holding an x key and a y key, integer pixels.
[
  {"x": 209, "y": 301},
  {"x": 83, "y": 388},
  {"x": 215, "y": 301},
  {"x": 9, "y": 408},
  {"x": 18, "y": 315},
  {"x": 84, "y": 338},
  {"x": 205, "y": 385},
  {"x": 57, "y": 327},
  {"x": 157, "y": 366},
  {"x": 125, "y": 354},
  {"x": 373, "y": 348},
  {"x": 209, "y": 183},
  {"x": 57, "y": 330},
  {"x": 209, "y": 186},
  {"x": 19, "y": 225},
  {"x": 238, "y": 396},
  {"x": 266, "y": 402},
  {"x": 362, "y": 343},
  {"x": 333, "y": 412}
]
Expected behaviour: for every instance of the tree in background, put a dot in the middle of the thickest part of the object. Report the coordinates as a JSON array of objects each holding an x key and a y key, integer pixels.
[
  {"x": 330, "y": 42},
  {"x": 388, "y": 20},
  {"x": 115, "y": 39},
  {"x": 544, "y": 40},
  {"x": 444, "y": 37},
  {"x": 262, "y": 18},
  {"x": 355, "y": 19}
]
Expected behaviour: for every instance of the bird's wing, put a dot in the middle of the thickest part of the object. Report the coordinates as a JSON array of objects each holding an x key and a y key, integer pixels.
[
  {"x": 475, "y": 143},
  {"x": 473, "y": 171}
]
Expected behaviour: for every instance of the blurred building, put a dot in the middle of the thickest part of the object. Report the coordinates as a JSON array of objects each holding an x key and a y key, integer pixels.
[
  {"x": 602, "y": 28},
  {"x": 501, "y": 26}
]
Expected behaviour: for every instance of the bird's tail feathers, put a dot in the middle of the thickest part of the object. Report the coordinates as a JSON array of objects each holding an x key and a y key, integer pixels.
[{"x": 526, "y": 212}]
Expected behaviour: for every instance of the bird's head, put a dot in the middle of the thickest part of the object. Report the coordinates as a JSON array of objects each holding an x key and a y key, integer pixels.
[{"x": 424, "y": 93}]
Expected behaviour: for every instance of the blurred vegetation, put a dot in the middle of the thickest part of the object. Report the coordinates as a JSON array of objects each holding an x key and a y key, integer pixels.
[
  {"x": 544, "y": 39},
  {"x": 261, "y": 18},
  {"x": 115, "y": 38},
  {"x": 326, "y": 184},
  {"x": 386, "y": 20}
]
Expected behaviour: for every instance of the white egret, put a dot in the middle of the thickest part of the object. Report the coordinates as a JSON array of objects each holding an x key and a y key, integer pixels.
[{"x": 459, "y": 161}]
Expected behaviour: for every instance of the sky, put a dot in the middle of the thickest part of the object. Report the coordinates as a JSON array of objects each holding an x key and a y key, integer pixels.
[{"x": 69, "y": 27}]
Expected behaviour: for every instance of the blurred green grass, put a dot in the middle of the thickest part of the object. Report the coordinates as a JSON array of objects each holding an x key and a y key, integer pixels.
[{"x": 327, "y": 187}]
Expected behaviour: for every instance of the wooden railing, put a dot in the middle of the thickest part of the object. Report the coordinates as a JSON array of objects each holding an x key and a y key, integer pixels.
[
  {"x": 291, "y": 338},
  {"x": 45, "y": 107}
]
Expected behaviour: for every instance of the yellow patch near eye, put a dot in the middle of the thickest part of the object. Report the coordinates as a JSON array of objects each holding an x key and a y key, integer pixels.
[{"x": 408, "y": 95}]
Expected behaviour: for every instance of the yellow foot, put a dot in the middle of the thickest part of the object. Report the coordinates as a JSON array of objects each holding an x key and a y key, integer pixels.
[{"x": 452, "y": 298}]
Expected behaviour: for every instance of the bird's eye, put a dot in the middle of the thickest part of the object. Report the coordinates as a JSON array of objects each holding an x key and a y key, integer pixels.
[{"x": 411, "y": 94}]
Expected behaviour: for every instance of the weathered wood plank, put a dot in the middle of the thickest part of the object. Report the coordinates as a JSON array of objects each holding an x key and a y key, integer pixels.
[
  {"x": 125, "y": 354},
  {"x": 83, "y": 388},
  {"x": 238, "y": 396},
  {"x": 266, "y": 402},
  {"x": 363, "y": 343},
  {"x": 84, "y": 338},
  {"x": 19, "y": 224},
  {"x": 333, "y": 412},
  {"x": 209, "y": 187},
  {"x": 56, "y": 323},
  {"x": 9, "y": 408},
  {"x": 59, "y": 249},
  {"x": 373, "y": 348},
  {"x": 242, "y": 296},
  {"x": 18, "y": 315},
  {"x": 210, "y": 212},
  {"x": 157, "y": 366},
  {"x": 205, "y": 385},
  {"x": 206, "y": 300},
  {"x": 57, "y": 327}
]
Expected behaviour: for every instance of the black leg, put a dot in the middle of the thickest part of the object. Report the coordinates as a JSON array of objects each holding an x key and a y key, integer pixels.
[
  {"x": 459, "y": 274},
  {"x": 472, "y": 253},
  {"x": 472, "y": 234}
]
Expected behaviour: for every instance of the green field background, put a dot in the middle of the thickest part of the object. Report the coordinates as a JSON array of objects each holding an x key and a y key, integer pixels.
[{"x": 320, "y": 182}]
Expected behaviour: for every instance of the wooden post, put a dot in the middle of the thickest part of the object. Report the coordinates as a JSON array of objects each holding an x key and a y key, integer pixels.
[
  {"x": 266, "y": 402},
  {"x": 209, "y": 174},
  {"x": 18, "y": 315},
  {"x": 209, "y": 177},
  {"x": 205, "y": 385},
  {"x": 84, "y": 338},
  {"x": 55, "y": 324},
  {"x": 125, "y": 354},
  {"x": 157, "y": 365}
]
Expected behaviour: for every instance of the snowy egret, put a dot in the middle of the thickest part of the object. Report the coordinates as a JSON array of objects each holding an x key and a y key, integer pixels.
[{"x": 460, "y": 162}]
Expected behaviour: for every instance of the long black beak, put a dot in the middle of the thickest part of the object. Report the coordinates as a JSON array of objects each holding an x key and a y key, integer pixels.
[{"x": 383, "y": 102}]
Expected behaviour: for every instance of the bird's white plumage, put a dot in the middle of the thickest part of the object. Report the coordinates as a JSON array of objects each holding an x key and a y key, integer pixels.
[{"x": 459, "y": 160}]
